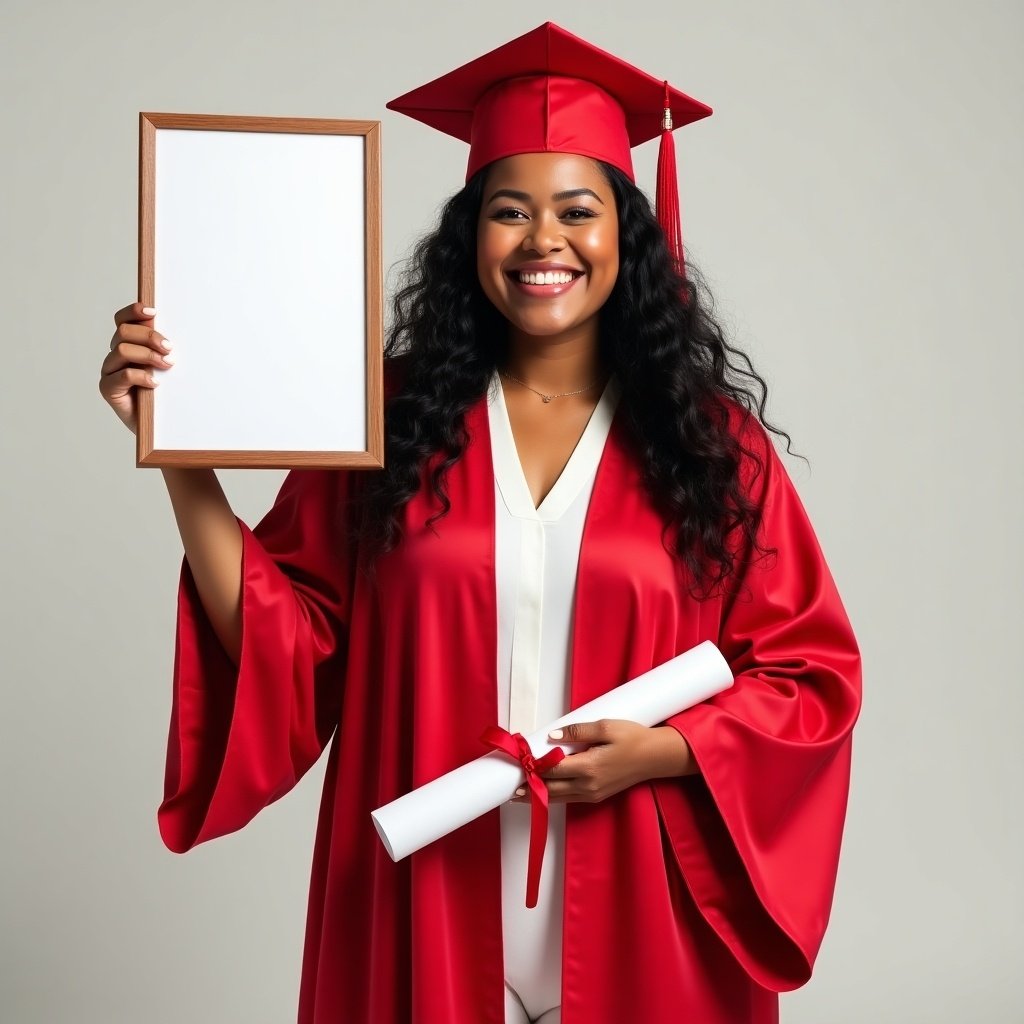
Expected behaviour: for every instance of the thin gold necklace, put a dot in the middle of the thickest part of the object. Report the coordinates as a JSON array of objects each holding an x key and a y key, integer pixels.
[{"x": 547, "y": 398}]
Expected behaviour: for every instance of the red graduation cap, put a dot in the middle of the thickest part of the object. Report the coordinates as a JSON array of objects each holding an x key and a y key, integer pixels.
[{"x": 549, "y": 91}]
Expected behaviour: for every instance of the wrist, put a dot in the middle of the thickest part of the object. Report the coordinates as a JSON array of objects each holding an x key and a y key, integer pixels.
[{"x": 675, "y": 758}]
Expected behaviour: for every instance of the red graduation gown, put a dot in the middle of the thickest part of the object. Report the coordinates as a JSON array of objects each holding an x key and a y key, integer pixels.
[{"x": 686, "y": 899}]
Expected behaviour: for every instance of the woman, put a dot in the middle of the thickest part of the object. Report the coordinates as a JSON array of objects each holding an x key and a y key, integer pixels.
[{"x": 575, "y": 491}]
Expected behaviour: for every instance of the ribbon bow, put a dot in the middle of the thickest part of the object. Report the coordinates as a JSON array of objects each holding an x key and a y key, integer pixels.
[{"x": 514, "y": 744}]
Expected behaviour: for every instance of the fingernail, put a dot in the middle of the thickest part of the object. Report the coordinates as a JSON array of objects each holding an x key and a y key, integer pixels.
[
  {"x": 520, "y": 791},
  {"x": 148, "y": 310},
  {"x": 555, "y": 734},
  {"x": 168, "y": 359}
]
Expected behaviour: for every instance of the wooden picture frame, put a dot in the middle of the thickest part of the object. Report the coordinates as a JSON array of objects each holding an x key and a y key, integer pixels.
[{"x": 260, "y": 249}]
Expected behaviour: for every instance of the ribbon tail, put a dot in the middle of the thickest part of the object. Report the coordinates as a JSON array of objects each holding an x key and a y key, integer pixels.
[
  {"x": 516, "y": 745},
  {"x": 538, "y": 836}
]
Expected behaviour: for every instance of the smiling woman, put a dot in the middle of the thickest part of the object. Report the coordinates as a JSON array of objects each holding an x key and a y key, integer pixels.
[{"x": 577, "y": 489}]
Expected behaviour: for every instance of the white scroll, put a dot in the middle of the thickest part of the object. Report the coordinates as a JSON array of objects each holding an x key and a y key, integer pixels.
[{"x": 433, "y": 810}]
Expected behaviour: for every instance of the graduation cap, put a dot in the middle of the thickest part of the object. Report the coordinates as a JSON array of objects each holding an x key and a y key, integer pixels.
[{"x": 549, "y": 91}]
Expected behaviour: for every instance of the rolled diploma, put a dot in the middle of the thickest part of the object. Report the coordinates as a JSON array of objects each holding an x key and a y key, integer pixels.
[{"x": 433, "y": 810}]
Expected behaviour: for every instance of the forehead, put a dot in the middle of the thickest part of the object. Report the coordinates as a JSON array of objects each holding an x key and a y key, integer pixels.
[{"x": 542, "y": 174}]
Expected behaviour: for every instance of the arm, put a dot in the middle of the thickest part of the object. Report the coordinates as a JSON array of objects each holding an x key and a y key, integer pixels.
[{"x": 213, "y": 549}]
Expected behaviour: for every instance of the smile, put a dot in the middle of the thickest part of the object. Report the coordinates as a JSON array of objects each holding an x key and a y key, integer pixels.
[{"x": 550, "y": 283}]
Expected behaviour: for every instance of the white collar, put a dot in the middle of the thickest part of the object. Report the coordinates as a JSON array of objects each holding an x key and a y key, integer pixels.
[{"x": 582, "y": 464}]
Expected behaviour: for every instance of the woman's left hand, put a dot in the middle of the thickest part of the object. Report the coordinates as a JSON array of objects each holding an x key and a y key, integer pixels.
[{"x": 623, "y": 754}]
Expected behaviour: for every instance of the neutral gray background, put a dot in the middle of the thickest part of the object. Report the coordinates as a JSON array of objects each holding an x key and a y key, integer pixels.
[{"x": 855, "y": 201}]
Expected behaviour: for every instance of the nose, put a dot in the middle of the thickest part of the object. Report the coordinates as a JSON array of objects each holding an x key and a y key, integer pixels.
[{"x": 545, "y": 236}]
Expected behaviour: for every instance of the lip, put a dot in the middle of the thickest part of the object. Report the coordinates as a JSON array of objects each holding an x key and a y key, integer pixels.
[{"x": 542, "y": 291}]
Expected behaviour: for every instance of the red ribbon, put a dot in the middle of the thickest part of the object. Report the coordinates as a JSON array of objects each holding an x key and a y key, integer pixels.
[{"x": 515, "y": 745}]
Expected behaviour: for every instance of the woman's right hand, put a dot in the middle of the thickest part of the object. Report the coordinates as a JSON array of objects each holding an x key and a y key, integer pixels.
[{"x": 135, "y": 349}]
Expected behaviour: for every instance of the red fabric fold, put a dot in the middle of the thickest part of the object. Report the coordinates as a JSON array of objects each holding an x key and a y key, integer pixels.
[
  {"x": 240, "y": 737},
  {"x": 515, "y": 745},
  {"x": 757, "y": 832}
]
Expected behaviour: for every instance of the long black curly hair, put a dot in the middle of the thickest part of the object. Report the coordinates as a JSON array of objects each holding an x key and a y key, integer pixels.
[{"x": 657, "y": 333}]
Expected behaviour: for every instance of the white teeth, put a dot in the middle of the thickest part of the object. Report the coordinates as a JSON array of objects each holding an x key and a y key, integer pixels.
[{"x": 550, "y": 277}]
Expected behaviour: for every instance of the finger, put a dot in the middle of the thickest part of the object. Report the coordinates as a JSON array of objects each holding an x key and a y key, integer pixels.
[
  {"x": 583, "y": 732},
  {"x": 572, "y": 766},
  {"x": 130, "y": 354},
  {"x": 135, "y": 313},
  {"x": 526, "y": 800},
  {"x": 139, "y": 334},
  {"x": 114, "y": 386},
  {"x": 146, "y": 351},
  {"x": 566, "y": 790},
  {"x": 562, "y": 791}
]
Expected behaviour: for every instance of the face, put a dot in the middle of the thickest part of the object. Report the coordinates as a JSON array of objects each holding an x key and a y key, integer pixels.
[{"x": 543, "y": 213}]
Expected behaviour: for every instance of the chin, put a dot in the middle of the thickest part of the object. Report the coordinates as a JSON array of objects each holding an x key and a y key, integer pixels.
[
  {"x": 542, "y": 327},
  {"x": 540, "y": 322}
]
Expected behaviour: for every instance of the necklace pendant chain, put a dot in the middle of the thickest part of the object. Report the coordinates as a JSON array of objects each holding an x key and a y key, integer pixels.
[{"x": 547, "y": 398}]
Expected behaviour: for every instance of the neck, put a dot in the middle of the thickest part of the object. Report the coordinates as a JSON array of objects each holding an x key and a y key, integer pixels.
[{"x": 555, "y": 365}]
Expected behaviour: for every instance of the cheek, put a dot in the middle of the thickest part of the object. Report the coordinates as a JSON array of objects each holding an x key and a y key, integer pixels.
[
  {"x": 600, "y": 247},
  {"x": 488, "y": 263},
  {"x": 489, "y": 253}
]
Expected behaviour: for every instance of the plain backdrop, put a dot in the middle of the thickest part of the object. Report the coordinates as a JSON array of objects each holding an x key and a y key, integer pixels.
[{"x": 855, "y": 202}]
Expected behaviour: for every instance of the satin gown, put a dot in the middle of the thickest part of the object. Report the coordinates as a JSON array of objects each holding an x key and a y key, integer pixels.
[{"x": 697, "y": 898}]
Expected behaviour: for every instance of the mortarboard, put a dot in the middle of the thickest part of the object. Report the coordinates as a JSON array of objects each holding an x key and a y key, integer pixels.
[{"x": 549, "y": 91}]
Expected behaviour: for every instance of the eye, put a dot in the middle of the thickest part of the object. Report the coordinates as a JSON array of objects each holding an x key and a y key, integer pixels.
[
  {"x": 580, "y": 209},
  {"x": 505, "y": 211}
]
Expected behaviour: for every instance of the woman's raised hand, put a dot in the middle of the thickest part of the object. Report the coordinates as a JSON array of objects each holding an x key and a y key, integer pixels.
[{"x": 135, "y": 349}]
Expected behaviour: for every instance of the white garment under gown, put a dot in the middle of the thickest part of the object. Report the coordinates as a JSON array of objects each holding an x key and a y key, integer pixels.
[{"x": 537, "y": 552}]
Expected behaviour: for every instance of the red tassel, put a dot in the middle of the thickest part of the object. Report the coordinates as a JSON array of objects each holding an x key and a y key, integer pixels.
[{"x": 667, "y": 195}]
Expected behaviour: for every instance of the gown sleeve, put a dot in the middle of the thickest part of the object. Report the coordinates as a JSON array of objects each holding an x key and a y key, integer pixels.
[
  {"x": 241, "y": 737},
  {"x": 757, "y": 832}
]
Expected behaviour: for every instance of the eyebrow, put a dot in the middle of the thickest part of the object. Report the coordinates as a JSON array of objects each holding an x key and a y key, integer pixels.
[{"x": 525, "y": 197}]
